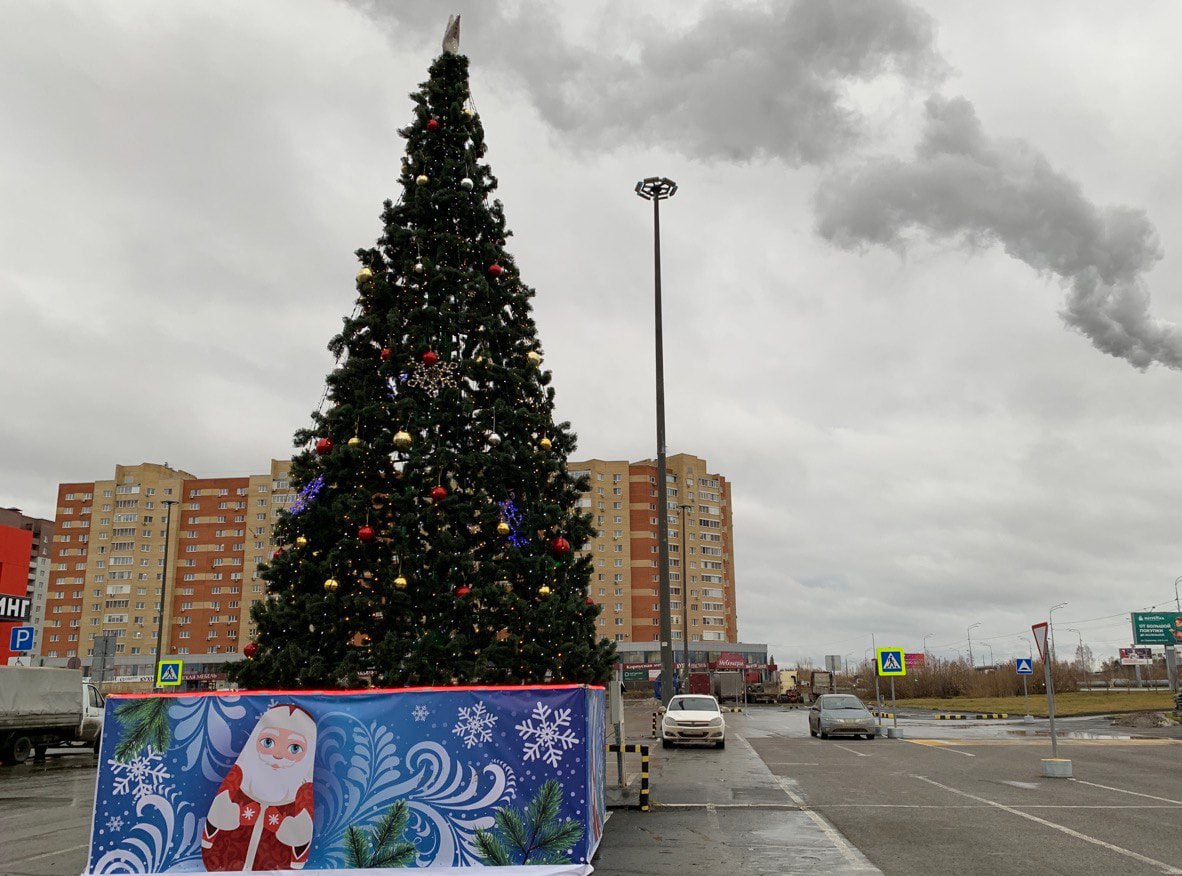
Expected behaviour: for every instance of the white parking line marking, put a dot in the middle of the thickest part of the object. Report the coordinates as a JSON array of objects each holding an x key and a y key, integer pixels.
[
  {"x": 47, "y": 854},
  {"x": 1128, "y": 853},
  {"x": 855, "y": 858},
  {"x": 939, "y": 746},
  {"x": 790, "y": 763},
  {"x": 1123, "y": 791},
  {"x": 852, "y": 751}
]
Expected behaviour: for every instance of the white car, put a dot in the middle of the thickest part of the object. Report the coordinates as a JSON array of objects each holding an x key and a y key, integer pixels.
[{"x": 693, "y": 718}]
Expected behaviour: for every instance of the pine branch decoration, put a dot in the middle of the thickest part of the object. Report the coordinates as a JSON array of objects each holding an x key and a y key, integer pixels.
[
  {"x": 382, "y": 845},
  {"x": 145, "y": 723},
  {"x": 533, "y": 837}
]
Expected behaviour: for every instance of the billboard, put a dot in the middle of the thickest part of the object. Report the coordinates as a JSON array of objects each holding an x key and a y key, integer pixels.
[
  {"x": 1157, "y": 628},
  {"x": 1136, "y": 656},
  {"x": 915, "y": 660}
]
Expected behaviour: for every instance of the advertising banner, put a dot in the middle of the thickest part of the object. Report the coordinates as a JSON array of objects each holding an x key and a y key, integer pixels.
[
  {"x": 730, "y": 660},
  {"x": 1157, "y": 628},
  {"x": 915, "y": 660},
  {"x": 356, "y": 781},
  {"x": 1136, "y": 656}
]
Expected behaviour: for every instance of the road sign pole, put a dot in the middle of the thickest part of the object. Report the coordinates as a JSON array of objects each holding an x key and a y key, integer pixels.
[
  {"x": 877, "y": 670},
  {"x": 1026, "y": 696},
  {"x": 1046, "y": 666},
  {"x": 894, "y": 708}
]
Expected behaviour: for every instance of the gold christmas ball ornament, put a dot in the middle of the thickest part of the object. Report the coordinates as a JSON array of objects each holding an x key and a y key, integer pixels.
[
  {"x": 545, "y": 443},
  {"x": 544, "y": 590},
  {"x": 331, "y": 585},
  {"x": 301, "y": 542},
  {"x": 422, "y": 179},
  {"x": 402, "y": 440},
  {"x": 469, "y": 112},
  {"x": 364, "y": 275},
  {"x": 354, "y": 441},
  {"x": 503, "y": 528},
  {"x": 400, "y": 583},
  {"x": 535, "y": 358}
]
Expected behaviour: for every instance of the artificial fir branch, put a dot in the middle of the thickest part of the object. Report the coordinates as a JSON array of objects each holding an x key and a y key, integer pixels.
[
  {"x": 534, "y": 837},
  {"x": 145, "y": 723}
]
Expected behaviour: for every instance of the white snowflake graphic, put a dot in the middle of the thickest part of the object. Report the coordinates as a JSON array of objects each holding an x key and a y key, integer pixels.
[
  {"x": 550, "y": 737},
  {"x": 115, "y": 823},
  {"x": 141, "y": 775},
  {"x": 475, "y": 725},
  {"x": 420, "y": 713}
]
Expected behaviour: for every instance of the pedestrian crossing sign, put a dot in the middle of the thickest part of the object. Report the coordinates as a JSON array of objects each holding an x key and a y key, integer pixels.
[
  {"x": 1023, "y": 666},
  {"x": 169, "y": 673},
  {"x": 891, "y": 661}
]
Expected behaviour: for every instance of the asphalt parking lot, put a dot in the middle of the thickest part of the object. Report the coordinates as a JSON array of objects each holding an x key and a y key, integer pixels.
[{"x": 966, "y": 797}]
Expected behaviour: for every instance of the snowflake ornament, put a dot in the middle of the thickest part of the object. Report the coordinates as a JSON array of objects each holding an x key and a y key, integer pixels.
[
  {"x": 420, "y": 712},
  {"x": 550, "y": 737},
  {"x": 115, "y": 823},
  {"x": 141, "y": 775},
  {"x": 475, "y": 725}
]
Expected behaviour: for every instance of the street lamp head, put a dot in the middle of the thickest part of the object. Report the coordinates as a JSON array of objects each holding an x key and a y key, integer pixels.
[
  {"x": 656, "y": 188},
  {"x": 974, "y": 626}
]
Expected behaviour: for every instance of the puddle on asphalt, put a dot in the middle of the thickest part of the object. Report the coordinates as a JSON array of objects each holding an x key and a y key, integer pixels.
[{"x": 1073, "y": 734}]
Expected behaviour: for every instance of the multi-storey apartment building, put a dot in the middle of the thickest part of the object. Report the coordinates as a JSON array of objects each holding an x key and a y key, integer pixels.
[
  {"x": 153, "y": 533},
  {"x": 622, "y": 502}
]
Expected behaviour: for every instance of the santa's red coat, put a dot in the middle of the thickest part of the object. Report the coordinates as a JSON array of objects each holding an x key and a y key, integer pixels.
[{"x": 223, "y": 850}]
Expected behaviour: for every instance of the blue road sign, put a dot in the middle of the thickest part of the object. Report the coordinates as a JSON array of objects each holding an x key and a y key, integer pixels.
[
  {"x": 891, "y": 661},
  {"x": 21, "y": 639},
  {"x": 169, "y": 673},
  {"x": 1024, "y": 666}
]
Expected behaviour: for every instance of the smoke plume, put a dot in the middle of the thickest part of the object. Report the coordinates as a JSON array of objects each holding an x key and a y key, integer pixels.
[{"x": 963, "y": 186}]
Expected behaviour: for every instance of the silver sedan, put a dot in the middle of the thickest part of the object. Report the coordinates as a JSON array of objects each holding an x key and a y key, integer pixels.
[{"x": 841, "y": 714}]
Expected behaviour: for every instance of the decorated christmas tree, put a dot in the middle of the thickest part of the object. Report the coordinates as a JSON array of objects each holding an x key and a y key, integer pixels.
[{"x": 435, "y": 535}]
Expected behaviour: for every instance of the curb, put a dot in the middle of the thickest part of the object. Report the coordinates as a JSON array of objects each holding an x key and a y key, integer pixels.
[
  {"x": 643, "y": 800},
  {"x": 983, "y": 716},
  {"x": 730, "y": 708}
]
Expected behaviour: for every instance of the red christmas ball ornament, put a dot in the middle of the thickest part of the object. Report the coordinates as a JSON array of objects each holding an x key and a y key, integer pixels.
[
  {"x": 560, "y": 546},
  {"x": 433, "y": 125},
  {"x": 277, "y": 554},
  {"x": 250, "y": 649},
  {"x": 324, "y": 446},
  {"x": 463, "y": 590},
  {"x": 385, "y": 354},
  {"x": 430, "y": 357},
  {"x": 495, "y": 270},
  {"x": 590, "y": 601},
  {"x": 366, "y": 533},
  {"x": 438, "y": 493}
]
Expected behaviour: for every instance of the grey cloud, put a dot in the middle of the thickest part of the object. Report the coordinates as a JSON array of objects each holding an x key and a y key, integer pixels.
[
  {"x": 965, "y": 187},
  {"x": 742, "y": 82}
]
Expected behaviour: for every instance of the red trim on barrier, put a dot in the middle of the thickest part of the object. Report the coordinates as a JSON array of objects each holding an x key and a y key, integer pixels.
[{"x": 350, "y": 692}]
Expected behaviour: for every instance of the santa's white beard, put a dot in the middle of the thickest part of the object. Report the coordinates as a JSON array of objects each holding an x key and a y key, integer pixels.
[{"x": 263, "y": 783}]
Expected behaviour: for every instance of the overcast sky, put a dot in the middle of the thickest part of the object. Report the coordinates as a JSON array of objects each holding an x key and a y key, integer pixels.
[{"x": 921, "y": 274}]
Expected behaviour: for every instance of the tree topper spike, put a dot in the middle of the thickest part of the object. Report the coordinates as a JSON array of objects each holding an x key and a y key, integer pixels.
[{"x": 451, "y": 36}]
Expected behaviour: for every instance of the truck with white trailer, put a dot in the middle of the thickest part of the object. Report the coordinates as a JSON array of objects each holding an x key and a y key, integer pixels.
[{"x": 40, "y": 707}]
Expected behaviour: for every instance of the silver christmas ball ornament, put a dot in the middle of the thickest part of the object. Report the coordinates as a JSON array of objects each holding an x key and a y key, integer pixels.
[
  {"x": 466, "y": 184},
  {"x": 493, "y": 439},
  {"x": 419, "y": 268}
]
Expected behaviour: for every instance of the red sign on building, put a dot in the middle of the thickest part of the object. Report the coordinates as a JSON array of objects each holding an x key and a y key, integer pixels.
[
  {"x": 730, "y": 660},
  {"x": 16, "y": 547}
]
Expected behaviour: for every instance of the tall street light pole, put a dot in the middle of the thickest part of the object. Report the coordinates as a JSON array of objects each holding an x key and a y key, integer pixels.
[
  {"x": 657, "y": 189},
  {"x": 926, "y": 636},
  {"x": 969, "y": 633},
  {"x": 168, "y": 503},
  {"x": 1051, "y": 631},
  {"x": 685, "y": 672}
]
